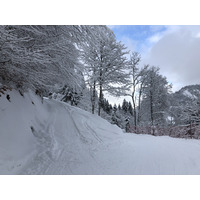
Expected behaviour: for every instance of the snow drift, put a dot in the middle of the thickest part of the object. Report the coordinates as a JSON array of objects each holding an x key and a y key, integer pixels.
[{"x": 55, "y": 138}]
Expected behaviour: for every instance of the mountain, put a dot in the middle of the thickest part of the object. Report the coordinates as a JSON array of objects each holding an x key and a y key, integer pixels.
[{"x": 187, "y": 93}]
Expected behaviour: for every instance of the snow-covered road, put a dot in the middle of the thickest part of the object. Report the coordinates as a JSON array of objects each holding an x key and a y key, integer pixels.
[
  {"x": 87, "y": 144},
  {"x": 68, "y": 140}
]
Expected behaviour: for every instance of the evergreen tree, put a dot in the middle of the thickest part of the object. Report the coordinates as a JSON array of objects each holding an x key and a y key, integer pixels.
[
  {"x": 130, "y": 108},
  {"x": 125, "y": 106}
]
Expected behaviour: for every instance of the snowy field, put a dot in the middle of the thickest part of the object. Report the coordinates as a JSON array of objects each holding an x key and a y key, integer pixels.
[{"x": 56, "y": 138}]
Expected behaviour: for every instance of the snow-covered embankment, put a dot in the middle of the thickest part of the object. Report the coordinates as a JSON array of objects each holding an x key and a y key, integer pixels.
[{"x": 55, "y": 138}]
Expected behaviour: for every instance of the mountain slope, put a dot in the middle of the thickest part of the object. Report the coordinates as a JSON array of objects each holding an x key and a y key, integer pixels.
[
  {"x": 187, "y": 94},
  {"x": 56, "y": 138}
]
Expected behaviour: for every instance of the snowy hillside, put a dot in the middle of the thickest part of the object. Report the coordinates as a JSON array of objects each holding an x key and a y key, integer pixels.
[
  {"x": 35, "y": 135},
  {"x": 188, "y": 93},
  {"x": 55, "y": 138}
]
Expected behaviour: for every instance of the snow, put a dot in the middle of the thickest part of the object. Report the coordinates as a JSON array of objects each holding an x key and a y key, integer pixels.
[
  {"x": 188, "y": 94},
  {"x": 69, "y": 140}
]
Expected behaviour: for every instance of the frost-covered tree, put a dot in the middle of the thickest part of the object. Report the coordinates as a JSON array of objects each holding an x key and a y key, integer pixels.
[
  {"x": 107, "y": 106},
  {"x": 105, "y": 63},
  {"x": 187, "y": 113},
  {"x": 115, "y": 118},
  {"x": 39, "y": 57},
  {"x": 137, "y": 77},
  {"x": 89, "y": 54},
  {"x": 118, "y": 117},
  {"x": 135, "y": 58},
  {"x": 155, "y": 102},
  {"x": 185, "y": 103},
  {"x": 143, "y": 76}
]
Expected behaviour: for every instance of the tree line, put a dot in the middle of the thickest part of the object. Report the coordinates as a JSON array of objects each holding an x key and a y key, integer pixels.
[{"x": 81, "y": 64}]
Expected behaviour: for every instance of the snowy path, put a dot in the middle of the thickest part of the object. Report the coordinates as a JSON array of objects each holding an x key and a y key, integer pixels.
[
  {"x": 86, "y": 144},
  {"x": 55, "y": 138}
]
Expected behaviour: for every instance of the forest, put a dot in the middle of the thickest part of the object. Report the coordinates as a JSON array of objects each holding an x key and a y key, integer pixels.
[{"x": 82, "y": 64}]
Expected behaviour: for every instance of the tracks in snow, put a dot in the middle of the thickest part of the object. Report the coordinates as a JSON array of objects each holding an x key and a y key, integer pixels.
[
  {"x": 72, "y": 142},
  {"x": 59, "y": 151}
]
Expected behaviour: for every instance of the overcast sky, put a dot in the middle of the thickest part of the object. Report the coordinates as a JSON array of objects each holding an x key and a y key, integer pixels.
[{"x": 175, "y": 49}]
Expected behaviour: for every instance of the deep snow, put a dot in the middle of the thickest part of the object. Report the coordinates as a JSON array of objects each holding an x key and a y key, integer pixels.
[{"x": 55, "y": 138}]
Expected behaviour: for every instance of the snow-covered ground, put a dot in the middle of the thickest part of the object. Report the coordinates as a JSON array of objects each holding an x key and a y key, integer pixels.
[{"x": 56, "y": 138}]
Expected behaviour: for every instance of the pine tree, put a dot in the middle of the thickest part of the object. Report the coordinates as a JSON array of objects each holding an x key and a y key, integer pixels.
[
  {"x": 125, "y": 106},
  {"x": 130, "y": 108}
]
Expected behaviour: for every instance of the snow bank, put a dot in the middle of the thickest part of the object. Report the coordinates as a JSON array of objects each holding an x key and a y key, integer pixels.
[
  {"x": 17, "y": 143},
  {"x": 32, "y": 133}
]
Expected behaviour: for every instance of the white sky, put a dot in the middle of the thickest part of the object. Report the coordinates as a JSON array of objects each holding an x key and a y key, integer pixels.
[{"x": 176, "y": 52}]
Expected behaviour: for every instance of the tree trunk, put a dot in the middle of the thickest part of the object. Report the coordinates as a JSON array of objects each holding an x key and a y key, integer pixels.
[
  {"x": 93, "y": 96},
  {"x": 139, "y": 103},
  {"x": 151, "y": 107},
  {"x": 134, "y": 111},
  {"x": 100, "y": 99},
  {"x": 133, "y": 99},
  {"x": 151, "y": 110},
  {"x": 100, "y": 88}
]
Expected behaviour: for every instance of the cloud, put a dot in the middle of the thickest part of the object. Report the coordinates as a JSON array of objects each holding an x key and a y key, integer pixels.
[
  {"x": 175, "y": 49},
  {"x": 176, "y": 52},
  {"x": 155, "y": 38},
  {"x": 198, "y": 35}
]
